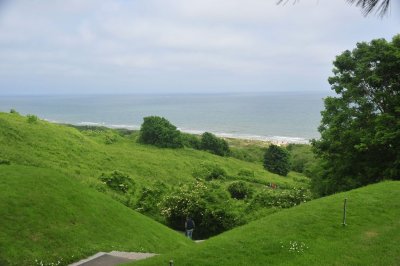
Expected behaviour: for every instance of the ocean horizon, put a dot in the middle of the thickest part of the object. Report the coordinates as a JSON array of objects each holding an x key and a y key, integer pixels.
[{"x": 282, "y": 117}]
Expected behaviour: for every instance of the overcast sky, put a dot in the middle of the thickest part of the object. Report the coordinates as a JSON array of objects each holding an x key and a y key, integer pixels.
[{"x": 173, "y": 46}]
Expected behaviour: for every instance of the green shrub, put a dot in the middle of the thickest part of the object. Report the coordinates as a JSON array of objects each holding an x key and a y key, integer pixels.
[
  {"x": 32, "y": 118},
  {"x": 110, "y": 138},
  {"x": 240, "y": 190},
  {"x": 5, "y": 161},
  {"x": 150, "y": 197},
  {"x": 198, "y": 201},
  {"x": 13, "y": 111},
  {"x": 212, "y": 143},
  {"x": 160, "y": 132},
  {"x": 276, "y": 160},
  {"x": 301, "y": 158},
  {"x": 118, "y": 181},
  {"x": 191, "y": 141},
  {"x": 210, "y": 171},
  {"x": 281, "y": 198}
]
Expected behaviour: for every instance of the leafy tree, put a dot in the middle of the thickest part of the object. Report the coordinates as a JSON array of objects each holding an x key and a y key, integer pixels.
[
  {"x": 160, "y": 132},
  {"x": 212, "y": 143},
  {"x": 276, "y": 160},
  {"x": 360, "y": 128},
  {"x": 367, "y": 6}
]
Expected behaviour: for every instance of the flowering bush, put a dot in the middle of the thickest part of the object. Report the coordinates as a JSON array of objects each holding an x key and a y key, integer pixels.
[
  {"x": 281, "y": 198},
  {"x": 198, "y": 201}
]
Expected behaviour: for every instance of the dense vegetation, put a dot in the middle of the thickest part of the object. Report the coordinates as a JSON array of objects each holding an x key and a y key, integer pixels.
[
  {"x": 146, "y": 178},
  {"x": 160, "y": 132},
  {"x": 210, "y": 142},
  {"x": 360, "y": 128},
  {"x": 50, "y": 219},
  {"x": 310, "y": 234},
  {"x": 51, "y": 176},
  {"x": 276, "y": 160}
]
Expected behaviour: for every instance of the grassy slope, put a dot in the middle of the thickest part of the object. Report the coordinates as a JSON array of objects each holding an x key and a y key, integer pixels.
[
  {"x": 47, "y": 216},
  {"x": 86, "y": 156},
  {"x": 371, "y": 237}
]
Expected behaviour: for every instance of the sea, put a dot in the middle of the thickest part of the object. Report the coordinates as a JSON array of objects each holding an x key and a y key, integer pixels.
[{"x": 280, "y": 117}]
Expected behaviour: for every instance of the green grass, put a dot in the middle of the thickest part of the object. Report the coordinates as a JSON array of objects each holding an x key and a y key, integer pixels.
[
  {"x": 49, "y": 209},
  {"x": 85, "y": 155},
  {"x": 371, "y": 237},
  {"x": 49, "y": 217}
]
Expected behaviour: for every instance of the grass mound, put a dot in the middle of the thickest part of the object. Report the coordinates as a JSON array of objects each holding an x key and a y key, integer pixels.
[
  {"x": 310, "y": 234},
  {"x": 48, "y": 217}
]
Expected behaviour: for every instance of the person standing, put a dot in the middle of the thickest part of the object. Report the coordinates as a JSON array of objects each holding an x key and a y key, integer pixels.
[{"x": 189, "y": 227}]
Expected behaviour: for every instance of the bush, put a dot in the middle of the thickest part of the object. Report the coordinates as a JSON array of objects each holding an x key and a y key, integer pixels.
[
  {"x": 160, "y": 132},
  {"x": 212, "y": 143},
  {"x": 110, "y": 138},
  {"x": 198, "y": 201},
  {"x": 209, "y": 171},
  {"x": 5, "y": 161},
  {"x": 32, "y": 118},
  {"x": 301, "y": 158},
  {"x": 191, "y": 141},
  {"x": 13, "y": 111},
  {"x": 281, "y": 198},
  {"x": 118, "y": 181},
  {"x": 150, "y": 198},
  {"x": 240, "y": 190},
  {"x": 276, "y": 160}
]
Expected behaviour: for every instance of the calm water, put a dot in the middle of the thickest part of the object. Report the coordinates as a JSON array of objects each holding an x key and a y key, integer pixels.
[{"x": 292, "y": 117}]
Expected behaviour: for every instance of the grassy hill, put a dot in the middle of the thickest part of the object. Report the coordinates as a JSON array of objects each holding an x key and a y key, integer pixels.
[
  {"x": 84, "y": 154},
  {"x": 88, "y": 153},
  {"x": 52, "y": 211},
  {"x": 310, "y": 234},
  {"x": 48, "y": 217}
]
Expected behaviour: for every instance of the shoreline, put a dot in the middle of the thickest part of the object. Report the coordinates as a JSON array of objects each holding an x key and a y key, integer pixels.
[{"x": 277, "y": 140}]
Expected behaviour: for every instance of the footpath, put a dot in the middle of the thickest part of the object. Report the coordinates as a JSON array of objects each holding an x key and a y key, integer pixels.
[{"x": 112, "y": 258}]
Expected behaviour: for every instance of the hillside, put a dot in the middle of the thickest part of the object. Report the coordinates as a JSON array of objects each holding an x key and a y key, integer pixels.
[
  {"x": 88, "y": 153},
  {"x": 54, "y": 210},
  {"x": 310, "y": 234},
  {"x": 46, "y": 216}
]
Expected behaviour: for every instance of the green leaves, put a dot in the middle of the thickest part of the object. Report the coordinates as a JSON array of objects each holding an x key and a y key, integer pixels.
[
  {"x": 160, "y": 132},
  {"x": 212, "y": 143},
  {"x": 360, "y": 127},
  {"x": 276, "y": 160}
]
